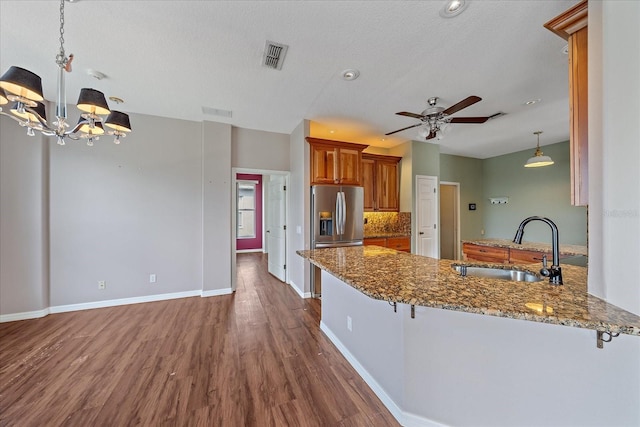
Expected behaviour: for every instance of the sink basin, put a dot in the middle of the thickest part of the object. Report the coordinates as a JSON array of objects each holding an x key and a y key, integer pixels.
[{"x": 496, "y": 273}]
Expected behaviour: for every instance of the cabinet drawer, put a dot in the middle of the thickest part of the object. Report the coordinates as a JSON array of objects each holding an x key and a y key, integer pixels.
[
  {"x": 521, "y": 256},
  {"x": 375, "y": 241},
  {"x": 399, "y": 243},
  {"x": 485, "y": 253}
]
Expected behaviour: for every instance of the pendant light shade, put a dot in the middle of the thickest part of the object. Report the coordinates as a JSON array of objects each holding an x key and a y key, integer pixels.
[
  {"x": 119, "y": 121},
  {"x": 538, "y": 159},
  {"x": 92, "y": 101},
  {"x": 97, "y": 128},
  {"x": 23, "y": 83},
  {"x": 3, "y": 97},
  {"x": 36, "y": 114}
]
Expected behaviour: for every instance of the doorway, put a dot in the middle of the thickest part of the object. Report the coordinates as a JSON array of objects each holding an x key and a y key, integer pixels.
[
  {"x": 450, "y": 220},
  {"x": 427, "y": 237},
  {"x": 248, "y": 212},
  {"x": 274, "y": 248}
]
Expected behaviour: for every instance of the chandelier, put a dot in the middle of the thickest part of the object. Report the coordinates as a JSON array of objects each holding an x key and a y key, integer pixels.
[{"x": 24, "y": 89}]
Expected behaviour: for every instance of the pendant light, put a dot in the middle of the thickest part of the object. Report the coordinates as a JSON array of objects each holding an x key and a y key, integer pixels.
[
  {"x": 24, "y": 88},
  {"x": 538, "y": 158}
]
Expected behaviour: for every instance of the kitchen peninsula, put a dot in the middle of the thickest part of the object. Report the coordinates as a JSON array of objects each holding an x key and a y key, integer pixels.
[{"x": 439, "y": 348}]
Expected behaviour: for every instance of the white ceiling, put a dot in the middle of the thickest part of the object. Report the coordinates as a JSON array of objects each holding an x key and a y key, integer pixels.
[{"x": 172, "y": 58}]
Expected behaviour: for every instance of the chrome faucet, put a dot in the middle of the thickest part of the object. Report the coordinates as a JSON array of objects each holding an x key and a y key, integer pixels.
[{"x": 555, "y": 272}]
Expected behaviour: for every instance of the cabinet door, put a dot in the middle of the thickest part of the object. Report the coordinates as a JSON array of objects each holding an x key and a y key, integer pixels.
[
  {"x": 485, "y": 253},
  {"x": 368, "y": 167},
  {"x": 324, "y": 164},
  {"x": 387, "y": 186},
  {"x": 349, "y": 165},
  {"x": 519, "y": 256}
]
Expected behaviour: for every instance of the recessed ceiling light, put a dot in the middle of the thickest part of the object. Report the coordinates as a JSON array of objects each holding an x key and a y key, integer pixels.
[
  {"x": 453, "y": 8},
  {"x": 350, "y": 74},
  {"x": 533, "y": 101},
  {"x": 332, "y": 131}
]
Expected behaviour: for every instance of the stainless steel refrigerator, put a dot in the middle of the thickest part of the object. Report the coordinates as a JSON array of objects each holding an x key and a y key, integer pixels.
[{"x": 337, "y": 219}]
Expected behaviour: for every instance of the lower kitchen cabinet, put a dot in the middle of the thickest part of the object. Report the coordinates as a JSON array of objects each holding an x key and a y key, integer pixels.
[
  {"x": 401, "y": 243},
  {"x": 485, "y": 253}
]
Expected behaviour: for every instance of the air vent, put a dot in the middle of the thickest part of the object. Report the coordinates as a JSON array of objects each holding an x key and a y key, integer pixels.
[
  {"x": 216, "y": 112},
  {"x": 274, "y": 54}
]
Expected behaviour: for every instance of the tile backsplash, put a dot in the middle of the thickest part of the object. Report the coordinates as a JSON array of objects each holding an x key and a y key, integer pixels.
[{"x": 387, "y": 222}]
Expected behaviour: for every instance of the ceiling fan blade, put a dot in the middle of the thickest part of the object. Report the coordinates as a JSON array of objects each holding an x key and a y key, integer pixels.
[
  {"x": 414, "y": 115},
  {"x": 462, "y": 104},
  {"x": 469, "y": 119},
  {"x": 431, "y": 135},
  {"x": 400, "y": 130}
]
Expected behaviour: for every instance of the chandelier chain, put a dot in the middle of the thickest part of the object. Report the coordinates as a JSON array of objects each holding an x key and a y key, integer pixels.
[{"x": 61, "y": 59}]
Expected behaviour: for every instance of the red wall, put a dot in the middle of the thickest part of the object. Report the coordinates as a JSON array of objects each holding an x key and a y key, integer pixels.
[{"x": 255, "y": 243}]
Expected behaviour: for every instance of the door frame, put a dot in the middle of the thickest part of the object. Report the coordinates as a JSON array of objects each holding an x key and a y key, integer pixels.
[
  {"x": 456, "y": 213},
  {"x": 233, "y": 181}
]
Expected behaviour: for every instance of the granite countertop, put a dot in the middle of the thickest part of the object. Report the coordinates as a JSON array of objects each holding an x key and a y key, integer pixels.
[
  {"x": 568, "y": 250},
  {"x": 393, "y": 276},
  {"x": 380, "y": 235}
]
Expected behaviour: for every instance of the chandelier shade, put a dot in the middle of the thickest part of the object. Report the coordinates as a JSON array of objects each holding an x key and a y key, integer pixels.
[
  {"x": 86, "y": 128},
  {"x": 93, "y": 101},
  {"x": 119, "y": 121},
  {"x": 22, "y": 83},
  {"x": 35, "y": 114}
]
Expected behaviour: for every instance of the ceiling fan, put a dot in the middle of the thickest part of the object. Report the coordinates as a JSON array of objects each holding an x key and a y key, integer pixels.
[{"x": 435, "y": 119}]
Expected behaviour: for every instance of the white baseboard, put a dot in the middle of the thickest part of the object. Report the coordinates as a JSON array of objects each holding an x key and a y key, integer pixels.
[
  {"x": 405, "y": 419},
  {"x": 298, "y": 291},
  {"x": 217, "y": 292},
  {"x": 248, "y": 251},
  {"x": 122, "y": 301},
  {"x": 110, "y": 303},
  {"x": 13, "y": 317}
]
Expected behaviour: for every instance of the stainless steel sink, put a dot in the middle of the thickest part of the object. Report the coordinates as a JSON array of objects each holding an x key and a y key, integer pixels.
[{"x": 496, "y": 273}]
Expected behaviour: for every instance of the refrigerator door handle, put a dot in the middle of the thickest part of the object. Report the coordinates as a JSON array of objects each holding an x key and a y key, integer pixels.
[
  {"x": 338, "y": 212},
  {"x": 344, "y": 211}
]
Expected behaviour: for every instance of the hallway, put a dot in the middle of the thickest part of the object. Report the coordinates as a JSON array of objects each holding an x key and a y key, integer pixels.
[{"x": 254, "y": 358}]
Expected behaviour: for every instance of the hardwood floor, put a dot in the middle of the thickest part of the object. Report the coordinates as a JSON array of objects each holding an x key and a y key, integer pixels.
[{"x": 254, "y": 358}]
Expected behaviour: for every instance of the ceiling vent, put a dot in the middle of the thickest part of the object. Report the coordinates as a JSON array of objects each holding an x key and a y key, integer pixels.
[
  {"x": 217, "y": 112},
  {"x": 274, "y": 54}
]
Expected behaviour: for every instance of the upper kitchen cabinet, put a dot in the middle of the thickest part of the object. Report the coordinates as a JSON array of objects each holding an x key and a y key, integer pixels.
[
  {"x": 335, "y": 162},
  {"x": 380, "y": 181},
  {"x": 572, "y": 26}
]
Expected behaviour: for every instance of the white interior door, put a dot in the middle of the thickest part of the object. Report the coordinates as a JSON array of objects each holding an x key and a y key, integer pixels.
[
  {"x": 276, "y": 226},
  {"x": 427, "y": 239}
]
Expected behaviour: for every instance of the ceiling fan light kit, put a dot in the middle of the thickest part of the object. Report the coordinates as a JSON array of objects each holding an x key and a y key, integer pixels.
[
  {"x": 538, "y": 159},
  {"x": 24, "y": 88}
]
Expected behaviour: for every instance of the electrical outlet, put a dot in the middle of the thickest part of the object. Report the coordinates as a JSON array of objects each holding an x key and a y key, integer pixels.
[
  {"x": 152, "y": 278},
  {"x": 349, "y": 324},
  {"x": 102, "y": 284}
]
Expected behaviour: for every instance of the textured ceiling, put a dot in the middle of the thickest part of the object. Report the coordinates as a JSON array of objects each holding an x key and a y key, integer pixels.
[{"x": 172, "y": 58}]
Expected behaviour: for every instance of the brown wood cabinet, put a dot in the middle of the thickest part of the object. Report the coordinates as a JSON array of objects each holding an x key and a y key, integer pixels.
[
  {"x": 473, "y": 252},
  {"x": 400, "y": 243},
  {"x": 572, "y": 26},
  {"x": 335, "y": 162},
  {"x": 380, "y": 181}
]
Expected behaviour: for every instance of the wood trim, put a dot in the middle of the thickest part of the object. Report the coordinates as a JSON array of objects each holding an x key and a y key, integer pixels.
[
  {"x": 352, "y": 145},
  {"x": 570, "y": 21},
  {"x": 371, "y": 156}
]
